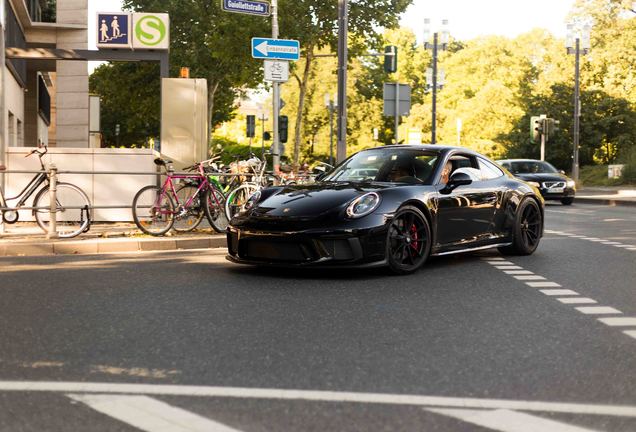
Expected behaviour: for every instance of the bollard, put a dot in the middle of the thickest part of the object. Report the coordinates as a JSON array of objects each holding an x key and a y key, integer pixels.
[{"x": 52, "y": 234}]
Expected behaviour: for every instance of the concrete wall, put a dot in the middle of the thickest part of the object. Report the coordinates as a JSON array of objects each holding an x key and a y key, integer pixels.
[
  {"x": 72, "y": 78},
  {"x": 15, "y": 104},
  {"x": 102, "y": 190}
]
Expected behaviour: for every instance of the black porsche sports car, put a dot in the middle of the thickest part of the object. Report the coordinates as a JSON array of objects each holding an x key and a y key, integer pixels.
[
  {"x": 553, "y": 184},
  {"x": 393, "y": 205}
]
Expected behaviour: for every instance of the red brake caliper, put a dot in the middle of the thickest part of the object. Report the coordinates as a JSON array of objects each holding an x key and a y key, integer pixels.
[{"x": 415, "y": 244}]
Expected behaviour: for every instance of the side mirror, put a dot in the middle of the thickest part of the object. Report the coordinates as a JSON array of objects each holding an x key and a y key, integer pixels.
[{"x": 458, "y": 179}]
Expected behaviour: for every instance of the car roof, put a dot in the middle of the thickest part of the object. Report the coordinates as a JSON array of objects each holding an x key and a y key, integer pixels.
[
  {"x": 429, "y": 147},
  {"x": 518, "y": 160}
]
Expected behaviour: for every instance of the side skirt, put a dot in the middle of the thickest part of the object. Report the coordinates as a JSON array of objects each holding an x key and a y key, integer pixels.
[{"x": 472, "y": 249}]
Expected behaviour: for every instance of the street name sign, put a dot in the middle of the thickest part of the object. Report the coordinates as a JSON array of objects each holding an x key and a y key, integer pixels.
[
  {"x": 249, "y": 7},
  {"x": 275, "y": 49},
  {"x": 276, "y": 71},
  {"x": 114, "y": 30}
]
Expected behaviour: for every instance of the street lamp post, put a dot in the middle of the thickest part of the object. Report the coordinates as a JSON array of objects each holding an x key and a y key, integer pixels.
[
  {"x": 343, "y": 24},
  {"x": 440, "y": 42},
  {"x": 332, "y": 106},
  {"x": 577, "y": 42}
]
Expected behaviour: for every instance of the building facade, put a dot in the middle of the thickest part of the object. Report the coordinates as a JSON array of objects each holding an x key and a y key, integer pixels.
[{"x": 44, "y": 101}]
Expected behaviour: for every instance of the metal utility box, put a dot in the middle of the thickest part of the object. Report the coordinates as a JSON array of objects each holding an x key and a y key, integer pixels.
[{"x": 184, "y": 120}]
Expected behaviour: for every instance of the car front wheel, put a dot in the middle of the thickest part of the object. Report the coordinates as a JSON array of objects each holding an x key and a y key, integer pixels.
[
  {"x": 408, "y": 240},
  {"x": 527, "y": 229}
]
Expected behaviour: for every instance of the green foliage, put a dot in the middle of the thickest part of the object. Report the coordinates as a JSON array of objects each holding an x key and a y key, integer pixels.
[
  {"x": 629, "y": 171},
  {"x": 129, "y": 97}
]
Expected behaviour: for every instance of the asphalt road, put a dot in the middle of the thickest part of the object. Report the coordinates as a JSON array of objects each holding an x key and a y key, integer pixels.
[{"x": 476, "y": 342}]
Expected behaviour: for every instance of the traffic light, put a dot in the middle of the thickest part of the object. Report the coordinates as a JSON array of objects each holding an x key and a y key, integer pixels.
[
  {"x": 251, "y": 126},
  {"x": 390, "y": 59},
  {"x": 536, "y": 128},
  {"x": 553, "y": 126},
  {"x": 283, "y": 126}
]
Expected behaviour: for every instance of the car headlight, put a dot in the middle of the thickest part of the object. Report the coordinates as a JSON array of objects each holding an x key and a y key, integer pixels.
[
  {"x": 535, "y": 184},
  {"x": 363, "y": 205},
  {"x": 571, "y": 183},
  {"x": 252, "y": 201}
]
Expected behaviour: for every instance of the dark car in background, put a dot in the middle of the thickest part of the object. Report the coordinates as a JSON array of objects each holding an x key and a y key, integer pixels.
[
  {"x": 390, "y": 206},
  {"x": 553, "y": 184}
]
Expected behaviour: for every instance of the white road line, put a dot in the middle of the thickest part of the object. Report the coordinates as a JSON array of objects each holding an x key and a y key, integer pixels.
[
  {"x": 618, "y": 321},
  {"x": 493, "y": 259},
  {"x": 576, "y": 300},
  {"x": 558, "y": 292},
  {"x": 529, "y": 277},
  {"x": 509, "y": 267},
  {"x": 596, "y": 240},
  {"x": 543, "y": 284},
  {"x": 496, "y": 263},
  {"x": 598, "y": 310},
  {"x": 631, "y": 333},
  {"x": 504, "y": 420},
  {"x": 148, "y": 414},
  {"x": 316, "y": 395},
  {"x": 631, "y": 249},
  {"x": 613, "y": 243},
  {"x": 623, "y": 246},
  {"x": 518, "y": 272}
]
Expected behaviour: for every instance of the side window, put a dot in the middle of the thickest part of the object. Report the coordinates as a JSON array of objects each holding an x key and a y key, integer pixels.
[{"x": 488, "y": 170}]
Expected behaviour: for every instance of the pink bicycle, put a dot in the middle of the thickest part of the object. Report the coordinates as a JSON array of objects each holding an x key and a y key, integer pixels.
[{"x": 157, "y": 209}]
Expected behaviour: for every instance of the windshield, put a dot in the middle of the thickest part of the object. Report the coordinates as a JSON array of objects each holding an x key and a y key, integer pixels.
[
  {"x": 529, "y": 167},
  {"x": 391, "y": 165}
]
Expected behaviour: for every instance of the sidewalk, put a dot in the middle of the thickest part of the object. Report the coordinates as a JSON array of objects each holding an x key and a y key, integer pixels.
[
  {"x": 27, "y": 239},
  {"x": 613, "y": 196}
]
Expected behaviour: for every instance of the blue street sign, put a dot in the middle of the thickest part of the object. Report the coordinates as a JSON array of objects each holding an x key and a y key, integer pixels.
[
  {"x": 275, "y": 49},
  {"x": 113, "y": 30},
  {"x": 249, "y": 7}
]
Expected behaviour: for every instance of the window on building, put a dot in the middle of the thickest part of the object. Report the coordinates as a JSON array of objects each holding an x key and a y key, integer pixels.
[
  {"x": 19, "y": 133},
  {"x": 12, "y": 132}
]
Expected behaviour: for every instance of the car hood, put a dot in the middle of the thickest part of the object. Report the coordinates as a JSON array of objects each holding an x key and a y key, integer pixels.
[
  {"x": 311, "y": 201},
  {"x": 542, "y": 177}
]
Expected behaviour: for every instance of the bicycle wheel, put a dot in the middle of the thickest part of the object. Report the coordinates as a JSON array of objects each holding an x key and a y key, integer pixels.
[
  {"x": 153, "y": 211},
  {"x": 215, "y": 211},
  {"x": 72, "y": 210},
  {"x": 237, "y": 198},
  {"x": 188, "y": 218}
]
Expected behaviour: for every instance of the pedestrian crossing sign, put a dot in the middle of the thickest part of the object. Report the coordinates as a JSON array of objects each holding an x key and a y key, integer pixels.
[{"x": 114, "y": 30}]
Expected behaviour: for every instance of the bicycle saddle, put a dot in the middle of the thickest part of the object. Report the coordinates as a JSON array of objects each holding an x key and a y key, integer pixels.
[
  {"x": 162, "y": 162},
  {"x": 2, "y": 167}
]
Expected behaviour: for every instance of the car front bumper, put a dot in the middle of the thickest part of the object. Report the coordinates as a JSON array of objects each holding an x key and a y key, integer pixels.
[
  {"x": 311, "y": 248},
  {"x": 547, "y": 194}
]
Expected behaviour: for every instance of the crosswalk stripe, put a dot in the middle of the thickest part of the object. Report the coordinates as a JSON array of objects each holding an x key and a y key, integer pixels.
[
  {"x": 543, "y": 284},
  {"x": 618, "y": 321},
  {"x": 529, "y": 277},
  {"x": 504, "y": 420},
  {"x": 559, "y": 292},
  {"x": 576, "y": 300},
  {"x": 148, "y": 414},
  {"x": 598, "y": 310}
]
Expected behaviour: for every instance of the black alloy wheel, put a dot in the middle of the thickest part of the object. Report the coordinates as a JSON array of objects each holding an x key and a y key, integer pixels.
[
  {"x": 527, "y": 230},
  {"x": 567, "y": 201},
  {"x": 408, "y": 240}
]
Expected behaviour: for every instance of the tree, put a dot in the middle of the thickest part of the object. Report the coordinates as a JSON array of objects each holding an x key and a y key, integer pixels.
[
  {"x": 129, "y": 98},
  {"x": 215, "y": 45},
  {"x": 315, "y": 24}
]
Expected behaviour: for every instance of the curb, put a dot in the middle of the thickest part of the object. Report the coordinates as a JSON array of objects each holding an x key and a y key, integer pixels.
[
  {"x": 91, "y": 247},
  {"x": 604, "y": 201}
]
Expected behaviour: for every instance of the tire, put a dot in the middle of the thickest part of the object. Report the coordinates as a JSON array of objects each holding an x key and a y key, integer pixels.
[
  {"x": 153, "y": 211},
  {"x": 408, "y": 243},
  {"x": 567, "y": 201},
  {"x": 73, "y": 210},
  {"x": 526, "y": 233},
  {"x": 237, "y": 198},
  {"x": 187, "y": 219},
  {"x": 215, "y": 210}
]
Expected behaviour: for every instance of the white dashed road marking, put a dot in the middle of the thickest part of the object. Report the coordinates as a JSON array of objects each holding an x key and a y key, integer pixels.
[
  {"x": 619, "y": 321},
  {"x": 558, "y": 292},
  {"x": 148, "y": 414},
  {"x": 507, "y": 421},
  {"x": 538, "y": 281},
  {"x": 594, "y": 239},
  {"x": 598, "y": 310},
  {"x": 576, "y": 300}
]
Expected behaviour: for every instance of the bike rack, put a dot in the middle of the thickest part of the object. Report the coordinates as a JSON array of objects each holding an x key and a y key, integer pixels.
[{"x": 54, "y": 172}]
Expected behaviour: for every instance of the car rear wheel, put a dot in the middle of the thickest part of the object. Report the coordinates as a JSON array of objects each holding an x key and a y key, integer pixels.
[
  {"x": 408, "y": 241},
  {"x": 527, "y": 229},
  {"x": 567, "y": 201}
]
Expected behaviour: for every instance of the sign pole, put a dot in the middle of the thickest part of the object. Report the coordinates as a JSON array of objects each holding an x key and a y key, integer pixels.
[
  {"x": 276, "y": 93},
  {"x": 343, "y": 19},
  {"x": 397, "y": 115}
]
